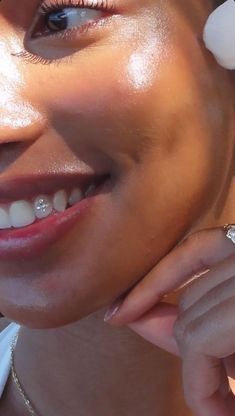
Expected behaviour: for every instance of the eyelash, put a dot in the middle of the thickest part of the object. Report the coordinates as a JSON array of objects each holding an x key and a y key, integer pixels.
[{"x": 49, "y": 6}]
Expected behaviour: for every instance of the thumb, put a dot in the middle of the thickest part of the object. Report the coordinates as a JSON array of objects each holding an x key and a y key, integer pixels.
[{"x": 156, "y": 326}]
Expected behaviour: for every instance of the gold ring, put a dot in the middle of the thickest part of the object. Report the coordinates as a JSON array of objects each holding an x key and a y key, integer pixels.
[{"x": 230, "y": 231}]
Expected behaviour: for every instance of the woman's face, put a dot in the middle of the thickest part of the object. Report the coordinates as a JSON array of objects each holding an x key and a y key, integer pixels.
[{"x": 135, "y": 95}]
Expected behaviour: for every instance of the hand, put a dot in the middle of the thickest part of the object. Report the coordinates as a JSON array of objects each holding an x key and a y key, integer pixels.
[{"x": 201, "y": 328}]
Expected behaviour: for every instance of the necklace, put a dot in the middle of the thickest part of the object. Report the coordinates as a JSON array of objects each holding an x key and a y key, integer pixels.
[{"x": 20, "y": 389}]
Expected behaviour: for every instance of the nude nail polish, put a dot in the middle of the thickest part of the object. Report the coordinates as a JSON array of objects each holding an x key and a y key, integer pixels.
[{"x": 112, "y": 310}]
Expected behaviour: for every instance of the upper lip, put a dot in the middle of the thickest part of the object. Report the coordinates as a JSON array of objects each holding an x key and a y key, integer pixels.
[{"x": 27, "y": 187}]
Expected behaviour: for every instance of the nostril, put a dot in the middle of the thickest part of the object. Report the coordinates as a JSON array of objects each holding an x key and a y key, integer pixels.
[
  {"x": 9, "y": 145},
  {"x": 10, "y": 152},
  {"x": 14, "y": 148}
]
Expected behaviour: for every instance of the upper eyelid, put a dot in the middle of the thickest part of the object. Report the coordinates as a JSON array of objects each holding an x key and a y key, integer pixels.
[{"x": 92, "y": 4}]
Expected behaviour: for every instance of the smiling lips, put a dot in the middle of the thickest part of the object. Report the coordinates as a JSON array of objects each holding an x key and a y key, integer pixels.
[
  {"x": 23, "y": 212},
  {"x": 58, "y": 212}
]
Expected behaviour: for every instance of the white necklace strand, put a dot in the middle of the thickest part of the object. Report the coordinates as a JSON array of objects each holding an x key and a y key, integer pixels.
[{"x": 20, "y": 389}]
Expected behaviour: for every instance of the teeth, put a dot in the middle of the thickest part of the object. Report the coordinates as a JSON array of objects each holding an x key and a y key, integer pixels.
[
  {"x": 4, "y": 218},
  {"x": 90, "y": 189},
  {"x": 21, "y": 214},
  {"x": 60, "y": 201},
  {"x": 42, "y": 206},
  {"x": 75, "y": 196}
]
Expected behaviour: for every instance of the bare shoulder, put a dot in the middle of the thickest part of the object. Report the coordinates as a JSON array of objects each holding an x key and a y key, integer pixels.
[{"x": 4, "y": 322}]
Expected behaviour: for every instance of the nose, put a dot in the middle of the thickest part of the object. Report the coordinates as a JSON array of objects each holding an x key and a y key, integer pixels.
[
  {"x": 19, "y": 121},
  {"x": 19, "y": 118},
  {"x": 22, "y": 119}
]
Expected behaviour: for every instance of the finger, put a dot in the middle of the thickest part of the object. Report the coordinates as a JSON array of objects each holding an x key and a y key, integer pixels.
[
  {"x": 205, "y": 386},
  {"x": 224, "y": 388},
  {"x": 229, "y": 363},
  {"x": 198, "y": 252},
  {"x": 213, "y": 297},
  {"x": 212, "y": 333},
  {"x": 217, "y": 297},
  {"x": 203, "y": 344},
  {"x": 156, "y": 326},
  {"x": 222, "y": 273}
]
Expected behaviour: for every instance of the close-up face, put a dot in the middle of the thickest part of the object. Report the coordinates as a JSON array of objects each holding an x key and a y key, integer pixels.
[{"x": 121, "y": 93}]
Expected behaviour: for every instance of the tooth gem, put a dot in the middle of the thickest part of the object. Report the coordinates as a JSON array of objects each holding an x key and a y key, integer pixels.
[{"x": 43, "y": 206}]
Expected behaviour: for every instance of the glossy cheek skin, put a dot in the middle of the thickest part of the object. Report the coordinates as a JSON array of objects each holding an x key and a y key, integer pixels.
[
  {"x": 16, "y": 114},
  {"x": 156, "y": 110}
]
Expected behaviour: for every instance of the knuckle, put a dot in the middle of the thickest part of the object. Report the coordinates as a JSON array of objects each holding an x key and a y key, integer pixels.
[
  {"x": 193, "y": 239},
  {"x": 189, "y": 294},
  {"x": 184, "y": 300},
  {"x": 190, "y": 400},
  {"x": 194, "y": 244},
  {"x": 178, "y": 331},
  {"x": 185, "y": 336}
]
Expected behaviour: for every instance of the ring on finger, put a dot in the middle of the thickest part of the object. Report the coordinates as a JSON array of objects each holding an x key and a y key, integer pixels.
[{"x": 230, "y": 231}]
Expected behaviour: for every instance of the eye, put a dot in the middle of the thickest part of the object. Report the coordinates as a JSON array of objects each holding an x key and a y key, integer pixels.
[
  {"x": 61, "y": 15},
  {"x": 59, "y": 25},
  {"x": 69, "y": 18}
]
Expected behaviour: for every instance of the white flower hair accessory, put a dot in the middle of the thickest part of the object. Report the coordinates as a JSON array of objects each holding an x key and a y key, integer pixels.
[{"x": 219, "y": 34}]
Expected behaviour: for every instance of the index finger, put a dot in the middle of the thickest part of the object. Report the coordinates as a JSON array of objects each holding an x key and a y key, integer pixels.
[{"x": 194, "y": 255}]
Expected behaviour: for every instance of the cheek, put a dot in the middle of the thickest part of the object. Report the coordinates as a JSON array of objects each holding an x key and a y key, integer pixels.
[
  {"x": 166, "y": 115},
  {"x": 166, "y": 128},
  {"x": 108, "y": 98}
]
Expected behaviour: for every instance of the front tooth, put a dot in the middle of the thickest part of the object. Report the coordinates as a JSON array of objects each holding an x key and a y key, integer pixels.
[
  {"x": 4, "y": 218},
  {"x": 75, "y": 196},
  {"x": 60, "y": 201},
  {"x": 21, "y": 214},
  {"x": 42, "y": 206}
]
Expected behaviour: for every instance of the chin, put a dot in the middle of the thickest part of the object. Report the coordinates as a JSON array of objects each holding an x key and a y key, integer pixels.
[{"x": 52, "y": 316}]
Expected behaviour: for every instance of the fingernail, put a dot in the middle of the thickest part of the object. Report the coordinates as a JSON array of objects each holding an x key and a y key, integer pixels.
[{"x": 112, "y": 310}]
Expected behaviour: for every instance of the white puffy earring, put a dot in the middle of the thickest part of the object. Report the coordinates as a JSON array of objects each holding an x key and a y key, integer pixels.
[{"x": 219, "y": 34}]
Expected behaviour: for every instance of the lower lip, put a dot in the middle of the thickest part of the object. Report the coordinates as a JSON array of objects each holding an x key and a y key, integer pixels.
[{"x": 32, "y": 240}]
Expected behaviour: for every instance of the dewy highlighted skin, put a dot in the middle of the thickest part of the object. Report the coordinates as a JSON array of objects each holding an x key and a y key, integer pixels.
[
  {"x": 117, "y": 141},
  {"x": 14, "y": 115}
]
